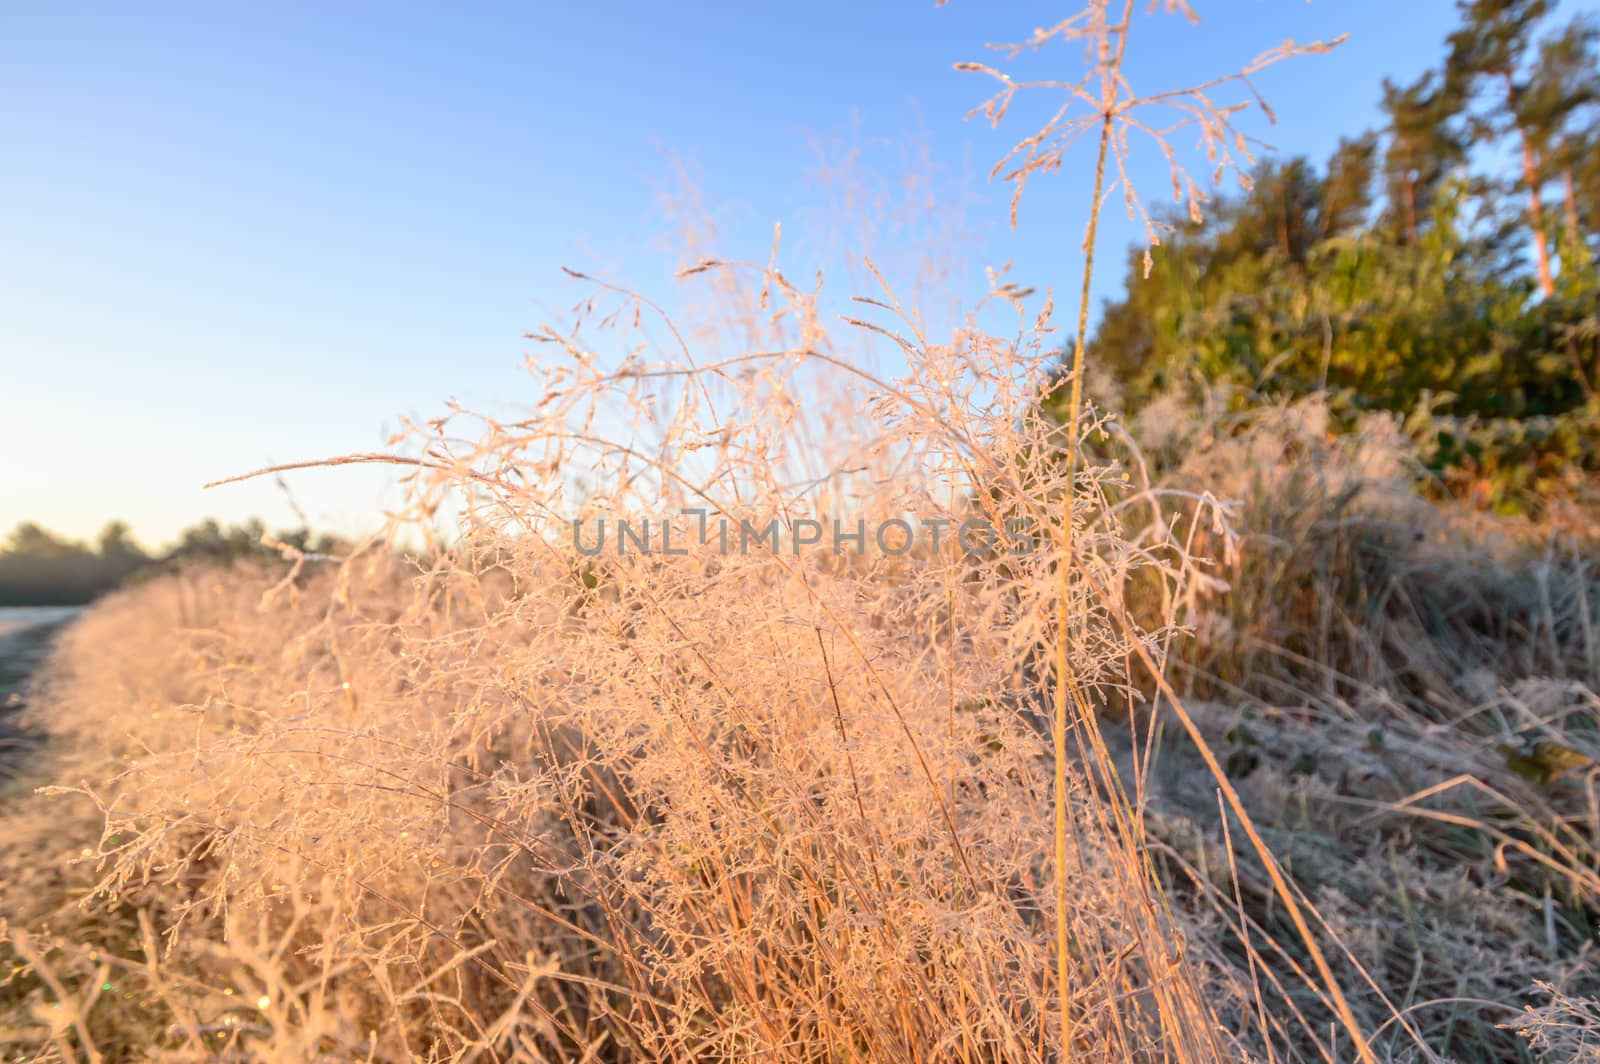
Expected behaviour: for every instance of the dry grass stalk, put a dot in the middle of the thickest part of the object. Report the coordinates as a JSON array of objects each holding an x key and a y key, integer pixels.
[{"x": 1112, "y": 110}]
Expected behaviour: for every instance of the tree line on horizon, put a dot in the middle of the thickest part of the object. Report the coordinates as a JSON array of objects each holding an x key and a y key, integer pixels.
[
  {"x": 1442, "y": 266},
  {"x": 42, "y": 568}
]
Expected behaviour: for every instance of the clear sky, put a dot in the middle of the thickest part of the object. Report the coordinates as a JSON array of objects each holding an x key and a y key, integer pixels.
[{"x": 240, "y": 233}]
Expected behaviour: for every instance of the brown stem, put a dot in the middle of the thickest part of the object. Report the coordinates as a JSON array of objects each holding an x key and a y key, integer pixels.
[
  {"x": 1570, "y": 208},
  {"x": 1064, "y": 679},
  {"x": 1530, "y": 175},
  {"x": 1411, "y": 210}
]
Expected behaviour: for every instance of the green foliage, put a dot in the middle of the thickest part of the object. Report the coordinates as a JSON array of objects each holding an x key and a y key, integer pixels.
[
  {"x": 1418, "y": 302},
  {"x": 1510, "y": 463},
  {"x": 1378, "y": 326}
]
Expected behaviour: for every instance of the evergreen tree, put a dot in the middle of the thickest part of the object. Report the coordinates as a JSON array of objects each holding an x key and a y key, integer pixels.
[
  {"x": 1415, "y": 303},
  {"x": 1489, "y": 50},
  {"x": 1558, "y": 106},
  {"x": 1424, "y": 147},
  {"x": 1347, "y": 190}
]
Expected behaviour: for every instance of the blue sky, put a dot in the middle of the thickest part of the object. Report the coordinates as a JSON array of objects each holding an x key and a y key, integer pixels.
[{"x": 237, "y": 233}]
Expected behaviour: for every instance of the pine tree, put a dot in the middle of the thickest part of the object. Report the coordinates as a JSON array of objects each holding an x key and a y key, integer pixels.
[
  {"x": 1558, "y": 105},
  {"x": 1280, "y": 217},
  {"x": 1490, "y": 47},
  {"x": 1347, "y": 189},
  {"x": 1585, "y": 171},
  {"x": 1424, "y": 147}
]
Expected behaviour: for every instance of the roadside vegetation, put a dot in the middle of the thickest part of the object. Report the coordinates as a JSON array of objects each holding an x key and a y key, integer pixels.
[
  {"x": 1279, "y": 743},
  {"x": 41, "y": 568}
]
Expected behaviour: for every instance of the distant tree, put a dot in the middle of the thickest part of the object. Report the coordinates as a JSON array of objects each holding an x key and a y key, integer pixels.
[
  {"x": 1347, "y": 190},
  {"x": 38, "y": 567},
  {"x": 1490, "y": 47},
  {"x": 1280, "y": 217},
  {"x": 1558, "y": 104},
  {"x": 118, "y": 549},
  {"x": 1424, "y": 147},
  {"x": 1583, "y": 153},
  {"x": 31, "y": 539}
]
